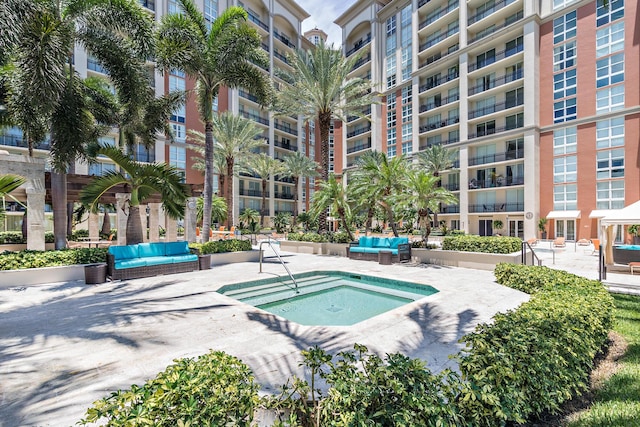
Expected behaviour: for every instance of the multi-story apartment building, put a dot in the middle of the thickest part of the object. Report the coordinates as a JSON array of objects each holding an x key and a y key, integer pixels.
[{"x": 477, "y": 76}]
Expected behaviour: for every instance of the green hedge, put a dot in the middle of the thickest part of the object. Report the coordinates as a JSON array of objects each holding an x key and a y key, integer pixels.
[
  {"x": 308, "y": 237},
  {"x": 213, "y": 390},
  {"x": 35, "y": 259},
  {"x": 15, "y": 237},
  {"x": 218, "y": 246},
  {"x": 491, "y": 245}
]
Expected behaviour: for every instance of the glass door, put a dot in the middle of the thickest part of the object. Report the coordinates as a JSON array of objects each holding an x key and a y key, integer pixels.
[
  {"x": 485, "y": 227},
  {"x": 566, "y": 228}
]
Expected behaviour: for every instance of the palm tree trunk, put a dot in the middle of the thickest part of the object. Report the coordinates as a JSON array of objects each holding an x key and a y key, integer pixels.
[
  {"x": 367, "y": 226},
  {"x": 263, "y": 208},
  {"x": 324, "y": 120},
  {"x": 106, "y": 222},
  {"x": 71, "y": 169},
  {"x": 134, "y": 226},
  {"x": 295, "y": 201},
  {"x": 343, "y": 220},
  {"x": 208, "y": 180},
  {"x": 391, "y": 220},
  {"x": 59, "y": 202},
  {"x": 229, "y": 192}
]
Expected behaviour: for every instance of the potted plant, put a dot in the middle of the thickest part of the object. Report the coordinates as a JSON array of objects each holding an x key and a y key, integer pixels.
[
  {"x": 497, "y": 225},
  {"x": 542, "y": 226},
  {"x": 634, "y": 231}
]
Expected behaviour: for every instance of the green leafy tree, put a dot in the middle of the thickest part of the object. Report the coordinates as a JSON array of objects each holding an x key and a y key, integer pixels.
[
  {"x": 332, "y": 195},
  {"x": 218, "y": 210},
  {"x": 222, "y": 54},
  {"x": 250, "y": 217},
  {"x": 298, "y": 165},
  {"x": 265, "y": 167},
  {"x": 282, "y": 221},
  {"x": 322, "y": 90},
  {"x": 9, "y": 183},
  {"x": 143, "y": 181},
  {"x": 435, "y": 159}
]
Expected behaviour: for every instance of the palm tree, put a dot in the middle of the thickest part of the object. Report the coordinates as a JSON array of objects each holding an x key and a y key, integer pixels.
[
  {"x": 321, "y": 90},
  {"x": 143, "y": 181},
  {"x": 424, "y": 195},
  {"x": 219, "y": 161},
  {"x": 250, "y": 217},
  {"x": 332, "y": 195},
  {"x": 379, "y": 178},
  {"x": 265, "y": 167},
  {"x": 222, "y": 54},
  {"x": 235, "y": 137},
  {"x": 8, "y": 183},
  {"x": 218, "y": 210},
  {"x": 435, "y": 159},
  {"x": 298, "y": 165},
  {"x": 44, "y": 94}
]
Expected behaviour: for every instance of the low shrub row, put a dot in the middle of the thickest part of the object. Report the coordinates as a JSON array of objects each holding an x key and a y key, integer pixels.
[
  {"x": 219, "y": 246},
  {"x": 37, "y": 259},
  {"x": 526, "y": 362},
  {"x": 491, "y": 245},
  {"x": 308, "y": 237},
  {"x": 15, "y": 237}
]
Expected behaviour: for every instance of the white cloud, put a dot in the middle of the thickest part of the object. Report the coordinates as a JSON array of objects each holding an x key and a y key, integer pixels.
[{"x": 323, "y": 13}]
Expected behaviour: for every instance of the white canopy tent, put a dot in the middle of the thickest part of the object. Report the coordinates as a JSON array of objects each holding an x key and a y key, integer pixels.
[{"x": 626, "y": 216}]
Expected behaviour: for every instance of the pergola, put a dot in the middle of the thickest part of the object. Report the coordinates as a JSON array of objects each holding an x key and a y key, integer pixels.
[{"x": 626, "y": 216}]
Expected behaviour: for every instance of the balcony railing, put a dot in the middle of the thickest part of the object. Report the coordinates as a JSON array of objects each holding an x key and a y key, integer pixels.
[
  {"x": 149, "y": 4},
  {"x": 362, "y": 61},
  {"x": 253, "y": 193},
  {"x": 254, "y": 117},
  {"x": 434, "y": 16},
  {"x": 439, "y": 55},
  {"x": 247, "y": 95},
  {"x": 499, "y": 181},
  {"x": 281, "y": 56},
  {"x": 94, "y": 65},
  {"x": 434, "y": 40},
  {"x": 445, "y": 142},
  {"x": 284, "y": 39},
  {"x": 359, "y": 131},
  {"x": 435, "y": 104},
  {"x": 452, "y": 187},
  {"x": 365, "y": 112},
  {"x": 492, "y": 29},
  {"x": 432, "y": 126},
  {"x": 285, "y": 145},
  {"x": 439, "y": 81},
  {"x": 17, "y": 141},
  {"x": 497, "y": 157},
  {"x": 492, "y": 131},
  {"x": 286, "y": 196},
  {"x": 253, "y": 18},
  {"x": 499, "y": 81},
  {"x": 359, "y": 45},
  {"x": 285, "y": 127},
  {"x": 497, "y": 57},
  {"x": 497, "y": 207},
  {"x": 359, "y": 147},
  {"x": 284, "y": 179},
  {"x": 489, "y": 109},
  {"x": 422, "y": 3},
  {"x": 481, "y": 15},
  {"x": 450, "y": 209}
]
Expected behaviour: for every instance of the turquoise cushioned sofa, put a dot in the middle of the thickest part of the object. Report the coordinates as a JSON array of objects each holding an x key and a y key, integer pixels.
[
  {"x": 368, "y": 247},
  {"x": 149, "y": 259}
]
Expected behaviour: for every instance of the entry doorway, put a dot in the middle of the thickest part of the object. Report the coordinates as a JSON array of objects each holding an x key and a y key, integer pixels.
[
  {"x": 566, "y": 228},
  {"x": 515, "y": 228},
  {"x": 485, "y": 227}
]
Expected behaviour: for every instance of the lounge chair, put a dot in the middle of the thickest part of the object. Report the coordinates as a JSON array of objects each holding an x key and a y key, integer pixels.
[
  {"x": 559, "y": 242},
  {"x": 596, "y": 246},
  {"x": 532, "y": 242}
]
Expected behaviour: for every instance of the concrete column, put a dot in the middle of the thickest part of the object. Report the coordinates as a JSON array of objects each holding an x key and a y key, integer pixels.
[
  {"x": 143, "y": 220},
  {"x": 94, "y": 226},
  {"x": 35, "y": 218},
  {"x": 154, "y": 222},
  {"x": 464, "y": 189},
  {"x": 463, "y": 88},
  {"x": 532, "y": 183},
  {"x": 122, "y": 214},
  {"x": 171, "y": 227},
  {"x": 190, "y": 216}
]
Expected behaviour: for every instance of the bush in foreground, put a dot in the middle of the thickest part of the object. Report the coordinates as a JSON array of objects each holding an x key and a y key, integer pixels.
[
  {"x": 219, "y": 246},
  {"x": 37, "y": 259},
  {"x": 491, "y": 245}
]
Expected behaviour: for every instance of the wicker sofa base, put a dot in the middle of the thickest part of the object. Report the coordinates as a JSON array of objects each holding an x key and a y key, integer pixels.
[
  {"x": 150, "y": 271},
  {"x": 361, "y": 256}
]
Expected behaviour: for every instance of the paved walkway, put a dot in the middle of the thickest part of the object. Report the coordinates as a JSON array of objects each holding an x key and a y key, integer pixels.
[{"x": 65, "y": 345}]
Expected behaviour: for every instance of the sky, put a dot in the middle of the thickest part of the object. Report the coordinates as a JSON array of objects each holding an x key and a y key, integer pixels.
[{"x": 323, "y": 13}]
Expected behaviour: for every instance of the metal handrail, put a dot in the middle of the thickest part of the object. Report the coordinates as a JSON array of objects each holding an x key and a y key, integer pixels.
[
  {"x": 526, "y": 245},
  {"x": 268, "y": 241}
]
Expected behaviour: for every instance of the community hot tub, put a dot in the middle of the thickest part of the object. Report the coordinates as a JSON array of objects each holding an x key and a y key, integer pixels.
[{"x": 624, "y": 254}]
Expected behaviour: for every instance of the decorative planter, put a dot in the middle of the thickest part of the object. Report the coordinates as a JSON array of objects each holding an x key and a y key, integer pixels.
[
  {"x": 39, "y": 276},
  {"x": 477, "y": 260},
  {"x": 339, "y": 249},
  {"x": 231, "y": 257}
]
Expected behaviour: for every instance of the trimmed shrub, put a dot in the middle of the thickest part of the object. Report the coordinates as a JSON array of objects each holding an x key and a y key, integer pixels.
[
  {"x": 308, "y": 237},
  {"x": 491, "y": 245},
  {"x": 219, "y": 246},
  {"x": 213, "y": 390},
  {"x": 36, "y": 259}
]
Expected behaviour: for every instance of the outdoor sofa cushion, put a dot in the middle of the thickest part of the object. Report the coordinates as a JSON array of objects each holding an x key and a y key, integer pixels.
[
  {"x": 372, "y": 250},
  {"x": 150, "y": 254}
]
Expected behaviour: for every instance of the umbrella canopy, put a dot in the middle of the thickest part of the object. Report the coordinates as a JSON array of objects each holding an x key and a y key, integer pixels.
[{"x": 626, "y": 216}]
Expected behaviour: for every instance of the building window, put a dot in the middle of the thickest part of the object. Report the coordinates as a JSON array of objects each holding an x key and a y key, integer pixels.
[
  {"x": 391, "y": 70},
  {"x": 565, "y": 197},
  {"x": 610, "y": 39},
  {"x": 391, "y": 101},
  {"x": 406, "y": 94},
  {"x": 558, "y": 4},
  {"x": 179, "y": 114},
  {"x": 179, "y": 132},
  {"x": 610, "y": 99},
  {"x": 610, "y": 164},
  {"x": 391, "y": 118},
  {"x": 564, "y": 84},
  {"x": 178, "y": 157},
  {"x": 172, "y": 7},
  {"x": 610, "y": 70},
  {"x": 610, "y": 194},
  {"x": 99, "y": 169},
  {"x": 486, "y": 128},
  {"x": 608, "y": 11},
  {"x": 391, "y": 151},
  {"x": 391, "y": 25},
  {"x": 210, "y": 10},
  {"x": 565, "y": 140},
  {"x": 564, "y": 27},
  {"x": 406, "y": 113},
  {"x": 176, "y": 83},
  {"x": 564, "y": 56},
  {"x": 565, "y": 169},
  {"x": 407, "y": 131},
  {"x": 610, "y": 133},
  {"x": 407, "y": 147},
  {"x": 564, "y": 110},
  {"x": 391, "y": 136},
  {"x": 406, "y": 63},
  {"x": 391, "y": 81},
  {"x": 514, "y": 121}
]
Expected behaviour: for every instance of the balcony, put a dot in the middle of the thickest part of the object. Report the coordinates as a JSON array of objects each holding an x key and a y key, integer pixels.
[
  {"x": 422, "y": 3},
  {"x": 359, "y": 63},
  {"x": 281, "y": 57},
  {"x": 433, "y": 40},
  {"x": 439, "y": 81},
  {"x": 494, "y": 28},
  {"x": 492, "y": 131},
  {"x": 499, "y": 81},
  {"x": 497, "y": 57},
  {"x": 359, "y": 45},
  {"x": 497, "y": 207},
  {"x": 149, "y": 4},
  {"x": 254, "y": 117},
  {"x": 481, "y": 15},
  {"x": 499, "y": 181},
  {"x": 445, "y": 142},
  {"x": 359, "y": 131},
  {"x": 94, "y": 65},
  {"x": 435, "y": 104},
  {"x": 494, "y": 108},
  {"x": 285, "y": 179},
  {"x": 433, "y": 126},
  {"x": 285, "y": 127},
  {"x": 450, "y": 209},
  {"x": 253, "y": 18},
  {"x": 497, "y": 157},
  {"x": 285, "y": 196},
  {"x": 252, "y": 193},
  {"x": 286, "y": 145},
  {"x": 439, "y": 55},
  {"x": 247, "y": 95},
  {"x": 17, "y": 141},
  {"x": 284, "y": 39},
  {"x": 359, "y": 147},
  {"x": 365, "y": 113},
  {"x": 452, "y": 187},
  {"x": 434, "y": 16}
]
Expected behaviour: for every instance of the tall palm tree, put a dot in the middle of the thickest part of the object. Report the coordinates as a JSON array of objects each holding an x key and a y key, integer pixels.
[
  {"x": 8, "y": 183},
  {"x": 219, "y": 161},
  {"x": 424, "y": 195},
  {"x": 265, "y": 167},
  {"x": 143, "y": 180},
  {"x": 218, "y": 210},
  {"x": 321, "y": 90},
  {"x": 379, "y": 178},
  {"x": 235, "y": 137},
  {"x": 44, "y": 93},
  {"x": 223, "y": 54},
  {"x": 298, "y": 165},
  {"x": 435, "y": 159},
  {"x": 332, "y": 195}
]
